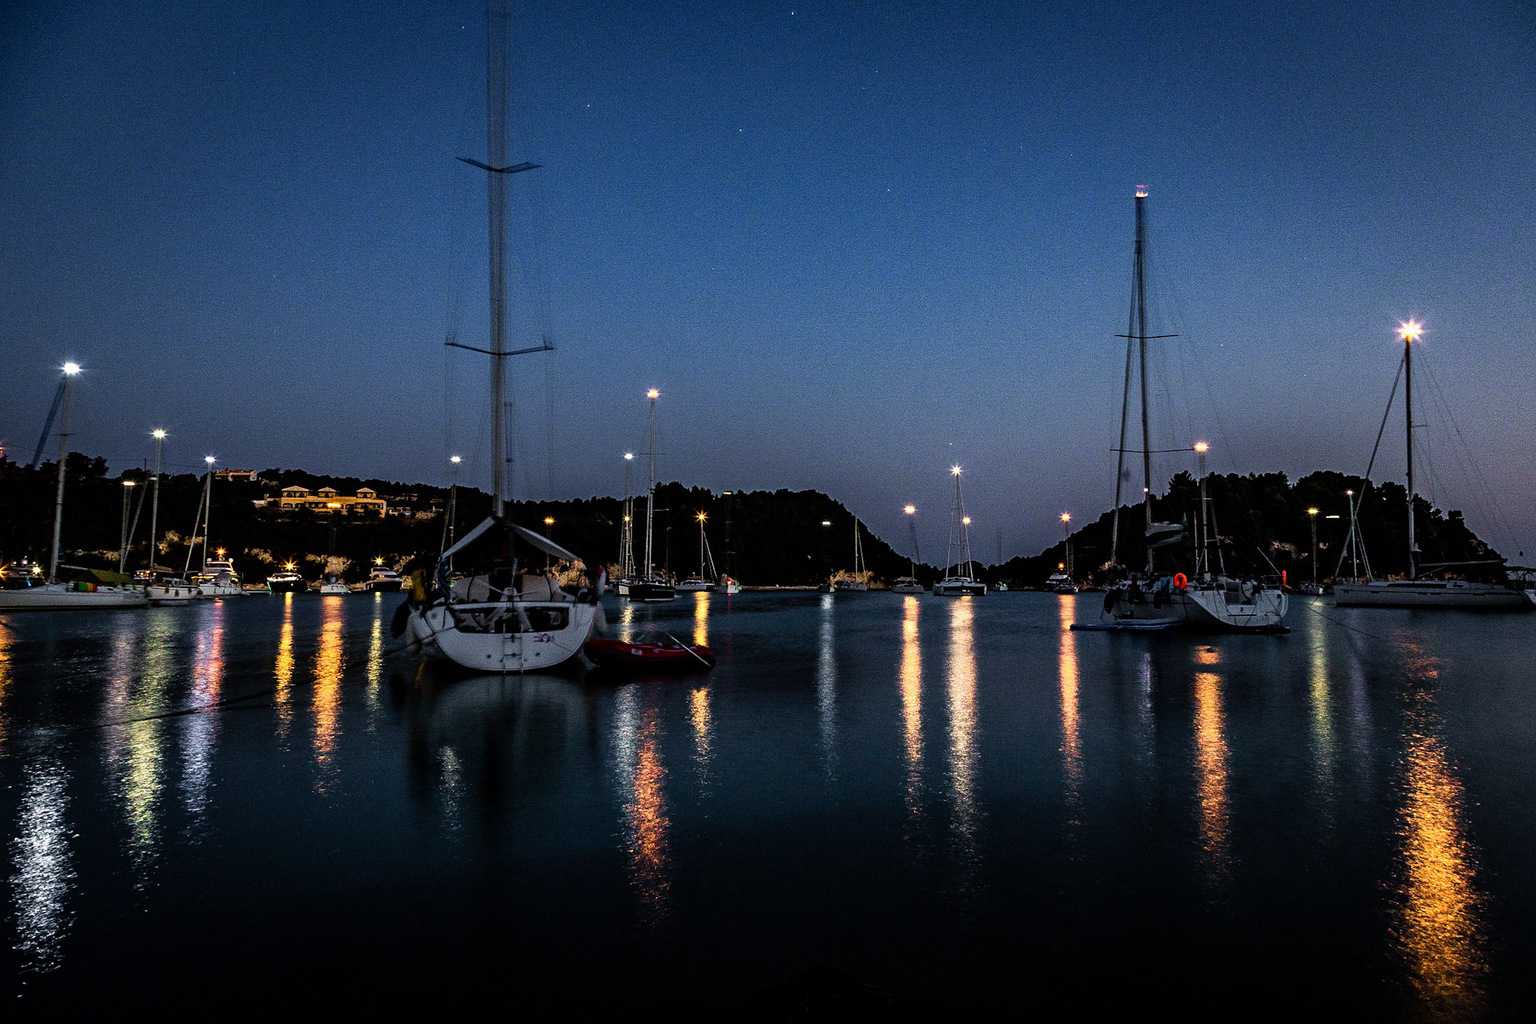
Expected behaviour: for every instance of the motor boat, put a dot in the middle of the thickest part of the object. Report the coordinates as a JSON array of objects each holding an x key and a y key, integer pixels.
[
  {"x": 219, "y": 585},
  {"x": 384, "y": 578},
  {"x": 332, "y": 586},
  {"x": 285, "y": 582},
  {"x": 693, "y": 585},
  {"x": 1060, "y": 583}
]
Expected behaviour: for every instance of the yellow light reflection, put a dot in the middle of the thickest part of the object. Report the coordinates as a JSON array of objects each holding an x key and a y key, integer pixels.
[
  {"x": 1211, "y": 764},
  {"x": 328, "y": 667},
  {"x": 141, "y": 780},
  {"x": 699, "y": 721},
  {"x": 627, "y": 622},
  {"x": 701, "y": 617},
  {"x": 375, "y": 671},
  {"x": 282, "y": 671},
  {"x": 911, "y": 679},
  {"x": 1440, "y": 927},
  {"x": 5, "y": 679},
  {"x": 962, "y": 729},
  {"x": 642, "y": 780},
  {"x": 1066, "y": 675},
  {"x": 1320, "y": 699}
]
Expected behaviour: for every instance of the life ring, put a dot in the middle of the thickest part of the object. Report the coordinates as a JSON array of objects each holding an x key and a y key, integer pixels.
[{"x": 1180, "y": 581}]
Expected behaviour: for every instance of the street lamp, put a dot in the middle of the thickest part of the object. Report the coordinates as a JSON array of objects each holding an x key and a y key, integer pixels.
[{"x": 1312, "y": 515}]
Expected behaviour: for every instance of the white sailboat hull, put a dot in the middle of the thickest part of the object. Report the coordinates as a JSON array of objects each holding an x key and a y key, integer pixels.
[
  {"x": 1463, "y": 594},
  {"x": 1235, "y": 608},
  {"x": 60, "y": 597},
  {"x": 448, "y": 633}
]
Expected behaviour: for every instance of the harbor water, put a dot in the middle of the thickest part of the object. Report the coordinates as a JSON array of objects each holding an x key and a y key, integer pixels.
[{"x": 874, "y": 801}]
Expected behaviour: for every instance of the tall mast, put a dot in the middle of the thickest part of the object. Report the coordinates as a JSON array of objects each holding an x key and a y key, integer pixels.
[
  {"x": 650, "y": 501},
  {"x": 1410, "y": 333},
  {"x": 154, "y": 508},
  {"x": 1141, "y": 346},
  {"x": 71, "y": 369},
  {"x": 498, "y": 19}
]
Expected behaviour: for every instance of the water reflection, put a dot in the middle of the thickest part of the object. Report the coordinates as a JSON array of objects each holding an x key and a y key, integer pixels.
[
  {"x": 701, "y": 618},
  {"x": 329, "y": 659},
  {"x": 5, "y": 678},
  {"x": 1320, "y": 705},
  {"x": 627, "y": 622},
  {"x": 134, "y": 751},
  {"x": 1071, "y": 744},
  {"x": 1211, "y": 762},
  {"x": 962, "y": 733},
  {"x": 42, "y": 881},
  {"x": 282, "y": 671},
  {"x": 375, "y": 671},
  {"x": 699, "y": 722},
  {"x": 200, "y": 730},
  {"x": 642, "y": 778},
  {"x": 826, "y": 685},
  {"x": 1440, "y": 909},
  {"x": 911, "y": 679}
]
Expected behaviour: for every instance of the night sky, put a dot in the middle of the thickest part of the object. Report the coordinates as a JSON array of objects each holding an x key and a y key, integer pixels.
[{"x": 851, "y": 243}]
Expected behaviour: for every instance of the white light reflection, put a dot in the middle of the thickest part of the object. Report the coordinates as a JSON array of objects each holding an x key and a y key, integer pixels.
[
  {"x": 375, "y": 671},
  {"x": 911, "y": 681},
  {"x": 200, "y": 729},
  {"x": 965, "y": 819},
  {"x": 42, "y": 881},
  {"x": 826, "y": 686}
]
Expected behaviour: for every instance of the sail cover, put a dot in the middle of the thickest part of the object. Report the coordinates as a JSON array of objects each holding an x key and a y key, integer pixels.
[{"x": 536, "y": 540}]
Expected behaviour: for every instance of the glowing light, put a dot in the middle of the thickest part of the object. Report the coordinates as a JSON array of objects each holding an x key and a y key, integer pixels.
[
  {"x": 954, "y": 470},
  {"x": 377, "y": 560},
  {"x": 1066, "y": 517},
  {"x": 288, "y": 566},
  {"x": 219, "y": 552},
  {"x": 701, "y": 517},
  {"x": 629, "y": 456},
  {"x": 966, "y": 520},
  {"x": 1313, "y": 510},
  {"x": 653, "y": 394},
  {"x": 70, "y": 368},
  {"x": 158, "y": 434},
  {"x": 210, "y": 460},
  {"x": 1410, "y": 331},
  {"x": 1141, "y": 191},
  {"x": 549, "y": 520},
  {"x": 1061, "y": 566},
  {"x": 455, "y": 459},
  {"x": 826, "y": 522},
  {"x": 128, "y": 483},
  {"x": 1201, "y": 447},
  {"x": 910, "y": 510}
]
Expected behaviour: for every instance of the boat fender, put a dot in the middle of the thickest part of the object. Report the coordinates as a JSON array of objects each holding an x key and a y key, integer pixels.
[
  {"x": 1181, "y": 581},
  {"x": 401, "y": 617}
]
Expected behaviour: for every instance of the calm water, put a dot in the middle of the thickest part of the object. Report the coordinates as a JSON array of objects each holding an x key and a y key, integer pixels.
[{"x": 873, "y": 800}]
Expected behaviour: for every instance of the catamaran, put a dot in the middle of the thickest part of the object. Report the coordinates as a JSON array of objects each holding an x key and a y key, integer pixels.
[
  {"x": 1415, "y": 592},
  {"x": 65, "y": 587},
  {"x": 961, "y": 580},
  {"x": 1152, "y": 601},
  {"x": 509, "y": 616}
]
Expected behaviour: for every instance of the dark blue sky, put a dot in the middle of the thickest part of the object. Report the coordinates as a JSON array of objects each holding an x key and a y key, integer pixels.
[{"x": 852, "y": 243}]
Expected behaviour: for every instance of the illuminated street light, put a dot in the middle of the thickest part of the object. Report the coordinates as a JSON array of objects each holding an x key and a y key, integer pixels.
[{"x": 1202, "y": 447}]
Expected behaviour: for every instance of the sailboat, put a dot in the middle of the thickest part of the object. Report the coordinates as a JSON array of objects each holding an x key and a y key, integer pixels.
[
  {"x": 858, "y": 580},
  {"x": 702, "y": 581},
  {"x": 1416, "y": 592},
  {"x": 651, "y": 586},
  {"x": 1151, "y": 601},
  {"x": 961, "y": 581},
  {"x": 65, "y": 587},
  {"x": 509, "y": 616},
  {"x": 909, "y": 584}
]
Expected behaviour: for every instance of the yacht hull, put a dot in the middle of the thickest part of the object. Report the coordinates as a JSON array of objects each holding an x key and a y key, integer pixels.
[
  {"x": 453, "y": 634},
  {"x": 959, "y": 588},
  {"x": 58, "y": 597},
  {"x": 642, "y": 591},
  {"x": 1461, "y": 594},
  {"x": 1235, "y": 609}
]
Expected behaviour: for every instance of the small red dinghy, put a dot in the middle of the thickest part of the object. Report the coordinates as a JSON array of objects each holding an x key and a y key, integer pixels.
[{"x": 651, "y": 656}]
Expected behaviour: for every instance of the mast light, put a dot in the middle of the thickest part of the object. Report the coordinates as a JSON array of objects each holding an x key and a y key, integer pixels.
[
  {"x": 210, "y": 460},
  {"x": 910, "y": 510},
  {"x": 954, "y": 470},
  {"x": 1201, "y": 447},
  {"x": 70, "y": 368},
  {"x": 1141, "y": 191},
  {"x": 965, "y": 520},
  {"x": 1410, "y": 331},
  {"x": 653, "y": 394},
  {"x": 158, "y": 434}
]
